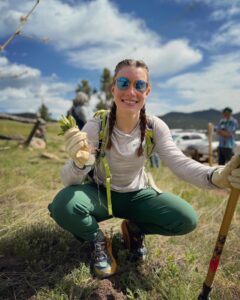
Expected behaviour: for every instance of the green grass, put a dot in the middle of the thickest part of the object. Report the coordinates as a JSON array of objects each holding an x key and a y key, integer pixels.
[{"x": 38, "y": 260}]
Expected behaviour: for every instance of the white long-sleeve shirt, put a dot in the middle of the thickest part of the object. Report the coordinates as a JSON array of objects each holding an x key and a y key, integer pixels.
[{"x": 127, "y": 169}]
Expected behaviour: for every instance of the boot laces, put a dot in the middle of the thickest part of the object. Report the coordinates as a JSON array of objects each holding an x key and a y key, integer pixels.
[{"x": 100, "y": 251}]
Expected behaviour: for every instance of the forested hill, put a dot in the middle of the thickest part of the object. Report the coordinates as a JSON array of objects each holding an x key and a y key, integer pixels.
[{"x": 194, "y": 120}]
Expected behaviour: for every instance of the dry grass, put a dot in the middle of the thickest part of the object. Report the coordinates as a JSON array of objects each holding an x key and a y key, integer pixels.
[{"x": 38, "y": 260}]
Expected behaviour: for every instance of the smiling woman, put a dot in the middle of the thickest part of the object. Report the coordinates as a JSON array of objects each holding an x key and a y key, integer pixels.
[
  {"x": 130, "y": 89},
  {"x": 119, "y": 186}
]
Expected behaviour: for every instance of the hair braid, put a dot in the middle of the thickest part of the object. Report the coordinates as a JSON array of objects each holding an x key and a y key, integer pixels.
[
  {"x": 143, "y": 125},
  {"x": 112, "y": 120}
]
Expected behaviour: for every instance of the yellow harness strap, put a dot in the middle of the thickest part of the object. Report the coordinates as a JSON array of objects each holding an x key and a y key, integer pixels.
[
  {"x": 149, "y": 141},
  {"x": 108, "y": 185},
  {"x": 103, "y": 136}
]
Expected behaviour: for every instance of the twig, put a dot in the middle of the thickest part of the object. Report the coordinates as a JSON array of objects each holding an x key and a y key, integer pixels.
[{"x": 23, "y": 21}]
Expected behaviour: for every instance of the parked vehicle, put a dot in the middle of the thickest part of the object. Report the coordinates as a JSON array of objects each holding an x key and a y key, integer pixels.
[
  {"x": 184, "y": 139},
  {"x": 200, "y": 150}
]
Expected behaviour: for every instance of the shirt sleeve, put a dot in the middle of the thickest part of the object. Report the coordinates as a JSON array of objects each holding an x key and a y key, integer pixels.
[
  {"x": 72, "y": 175},
  {"x": 182, "y": 166},
  {"x": 235, "y": 125}
]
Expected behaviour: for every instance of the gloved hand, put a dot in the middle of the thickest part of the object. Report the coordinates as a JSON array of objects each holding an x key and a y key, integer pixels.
[
  {"x": 228, "y": 176},
  {"x": 76, "y": 144}
]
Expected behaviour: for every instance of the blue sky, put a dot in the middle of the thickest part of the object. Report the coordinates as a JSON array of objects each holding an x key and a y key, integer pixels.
[{"x": 192, "y": 49}]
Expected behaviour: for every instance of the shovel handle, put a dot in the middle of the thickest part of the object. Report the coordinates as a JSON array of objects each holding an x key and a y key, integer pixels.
[{"x": 222, "y": 235}]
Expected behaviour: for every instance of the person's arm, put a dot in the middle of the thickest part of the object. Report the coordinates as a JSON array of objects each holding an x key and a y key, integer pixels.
[
  {"x": 182, "y": 166},
  {"x": 225, "y": 133},
  {"x": 228, "y": 130},
  {"x": 73, "y": 172},
  {"x": 72, "y": 175}
]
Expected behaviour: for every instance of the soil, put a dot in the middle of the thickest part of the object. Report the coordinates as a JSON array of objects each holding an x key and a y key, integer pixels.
[{"x": 106, "y": 291}]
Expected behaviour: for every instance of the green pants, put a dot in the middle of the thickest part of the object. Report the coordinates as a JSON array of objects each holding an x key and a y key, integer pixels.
[{"x": 79, "y": 208}]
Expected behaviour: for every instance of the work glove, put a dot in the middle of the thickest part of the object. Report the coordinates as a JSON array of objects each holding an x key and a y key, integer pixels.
[
  {"x": 77, "y": 146},
  {"x": 228, "y": 176}
]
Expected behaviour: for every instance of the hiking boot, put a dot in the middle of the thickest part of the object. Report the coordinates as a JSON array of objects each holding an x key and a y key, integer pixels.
[
  {"x": 134, "y": 241},
  {"x": 104, "y": 264}
]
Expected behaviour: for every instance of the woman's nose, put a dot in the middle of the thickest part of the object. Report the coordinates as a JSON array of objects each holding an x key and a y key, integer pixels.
[{"x": 131, "y": 90}]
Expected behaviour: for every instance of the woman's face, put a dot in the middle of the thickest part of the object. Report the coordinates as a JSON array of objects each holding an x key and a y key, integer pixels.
[{"x": 130, "y": 99}]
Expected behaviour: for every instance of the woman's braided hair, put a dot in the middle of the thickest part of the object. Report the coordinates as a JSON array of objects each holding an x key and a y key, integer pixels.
[{"x": 112, "y": 114}]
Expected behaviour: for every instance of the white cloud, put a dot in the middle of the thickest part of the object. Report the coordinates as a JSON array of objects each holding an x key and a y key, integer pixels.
[
  {"x": 95, "y": 34},
  {"x": 24, "y": 88},
  {"x": 221, "y": 9},
  {"x": 228, "y": 34},
  {"x": 214, "y": 3},
  {"x": 221, "y": 14},
  {"x": 161, "y": 61},
  {"x": 216, "y": 86},
  {"x": 11, "y": 71}
]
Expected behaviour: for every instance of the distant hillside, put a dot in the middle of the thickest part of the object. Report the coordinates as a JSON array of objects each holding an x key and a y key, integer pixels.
[{"x": 194, "y": 120}]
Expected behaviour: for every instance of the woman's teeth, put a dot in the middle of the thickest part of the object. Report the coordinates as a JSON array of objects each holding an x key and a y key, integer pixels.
[{"x": 131, "y": 102}]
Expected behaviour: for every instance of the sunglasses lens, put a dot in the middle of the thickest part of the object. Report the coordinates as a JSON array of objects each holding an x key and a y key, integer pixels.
[
  {"x": 141, "y": 85},
  {"x": 123, "y": 83}
]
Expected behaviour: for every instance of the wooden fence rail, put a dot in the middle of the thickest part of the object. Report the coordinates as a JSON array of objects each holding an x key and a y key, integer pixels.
[{"x": 38, "y": 123}]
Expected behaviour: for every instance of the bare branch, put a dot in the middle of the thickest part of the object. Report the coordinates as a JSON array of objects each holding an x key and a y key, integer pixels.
[{"x": 23, "y": 21}]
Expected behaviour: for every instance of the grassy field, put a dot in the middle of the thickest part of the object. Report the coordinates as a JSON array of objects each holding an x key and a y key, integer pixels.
[{"x": 38, "y": 260}]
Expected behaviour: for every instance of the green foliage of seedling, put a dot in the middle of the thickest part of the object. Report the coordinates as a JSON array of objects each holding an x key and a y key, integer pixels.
[{"x": 66, "y": 123}]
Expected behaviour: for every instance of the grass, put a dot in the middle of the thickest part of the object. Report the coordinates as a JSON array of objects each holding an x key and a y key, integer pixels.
[{"x": 38, "y": 260}]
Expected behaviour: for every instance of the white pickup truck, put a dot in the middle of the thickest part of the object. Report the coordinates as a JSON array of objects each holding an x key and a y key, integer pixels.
[{"x": 200, "y": 150}]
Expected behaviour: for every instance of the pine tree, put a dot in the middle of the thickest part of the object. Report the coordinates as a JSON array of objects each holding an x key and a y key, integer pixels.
[
  {"x": 84, "y": 87},
  {"x": 44, "y": 112},
  {"x": 106, "y": 95}
]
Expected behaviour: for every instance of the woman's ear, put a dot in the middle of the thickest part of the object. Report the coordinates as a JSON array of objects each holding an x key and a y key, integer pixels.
[
  {"x": 112, "y": 88},
  {"x": 148, "y": 90}
]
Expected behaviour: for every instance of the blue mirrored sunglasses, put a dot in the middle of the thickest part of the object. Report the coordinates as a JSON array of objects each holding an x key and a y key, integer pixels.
[{"x": 123, "y": 83}]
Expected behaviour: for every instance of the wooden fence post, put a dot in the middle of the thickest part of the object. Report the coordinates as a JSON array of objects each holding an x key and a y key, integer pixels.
[
  {"x": 210, "y": 152},
  {"x": 34, "y": 129}
]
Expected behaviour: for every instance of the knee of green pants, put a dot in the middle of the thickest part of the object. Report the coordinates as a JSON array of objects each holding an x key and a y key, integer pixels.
[
  {"x": 73, "y": 215},
  {"x": 172, "y": 228},
  {"x": 188, "y": 225},
  {"x": 64, "y": 203},
  {"x": 164, "y": 214},
  {"x": 186, "y": 220}
]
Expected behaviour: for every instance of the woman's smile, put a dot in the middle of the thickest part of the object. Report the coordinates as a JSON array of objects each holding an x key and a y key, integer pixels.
[
  {"x": 129, "y": 102},
  {"x": 129, "y": 98}
]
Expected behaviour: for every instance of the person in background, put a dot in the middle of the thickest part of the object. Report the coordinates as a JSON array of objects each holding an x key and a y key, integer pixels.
[
  {"x": 81, "y": 205},
  {"x": 77, "y": 109},
  {"x": 226, "y": 129},
  {"x": 154, "y": 160}
]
